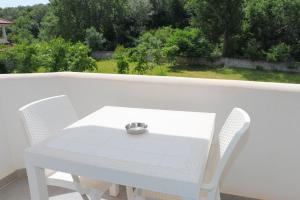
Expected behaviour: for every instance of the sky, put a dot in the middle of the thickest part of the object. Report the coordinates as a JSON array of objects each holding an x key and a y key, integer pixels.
[{"x": 15, "y": 3}]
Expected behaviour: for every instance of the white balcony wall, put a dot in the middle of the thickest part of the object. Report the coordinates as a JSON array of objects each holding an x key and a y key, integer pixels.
[
  {"x": 265, "y": 165},
  {"x": 6, "y": 164}
]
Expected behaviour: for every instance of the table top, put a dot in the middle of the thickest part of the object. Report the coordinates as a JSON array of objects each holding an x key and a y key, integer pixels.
[{"x": 175, "y": 148}]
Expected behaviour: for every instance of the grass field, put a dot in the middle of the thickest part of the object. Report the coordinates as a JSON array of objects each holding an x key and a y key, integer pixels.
[{"x": 110, "y": 66}]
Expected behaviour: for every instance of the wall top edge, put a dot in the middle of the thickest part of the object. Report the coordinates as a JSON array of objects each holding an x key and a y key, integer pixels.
[{"x": 159, "y": 80}]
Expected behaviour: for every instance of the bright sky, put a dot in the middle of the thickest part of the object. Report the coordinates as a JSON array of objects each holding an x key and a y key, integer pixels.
[{"x": 15, "y": 3}]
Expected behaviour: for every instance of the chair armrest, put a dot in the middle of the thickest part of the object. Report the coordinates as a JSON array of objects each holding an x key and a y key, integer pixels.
[{"x": 207, "y": 187}]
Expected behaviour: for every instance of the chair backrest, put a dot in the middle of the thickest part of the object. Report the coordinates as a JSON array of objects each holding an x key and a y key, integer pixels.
[
  {"x": 233, "y": 129},
  {"x": 45, "y": 117}
]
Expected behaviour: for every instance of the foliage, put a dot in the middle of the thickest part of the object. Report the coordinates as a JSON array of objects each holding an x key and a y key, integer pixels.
[
  {"x": 167, "y": 43},
  {"x": 74, "y": 17},
  {"x": 94, "y": 39},
  {"x": 79, "y": 60},
  {"x": 149, "y": 49},
  {"x": 271, "y": 22},
  {"x": 253, "y": 50},
  {"x": 277, "y": 53},
  {"x": 49, "y": 27},
  {"x": 20, "y": 31},
  {"x": 140, "y": 56},
  {"x": 22, "y": 58},
  {"x": 189, "y": 42},
  {"x": 120, "y": 55},
  {"x": 55, "y": 55},
  {"x": 140, "y": 11},
  {"x": 153, "y": 32},
  {"x": 161, "y": 45},
  {"x": 218, "y": 18},
  {"x": 27, "y": 22},
  {"x": 168, "y": 13},
  {"x": 59, "y": 55}
]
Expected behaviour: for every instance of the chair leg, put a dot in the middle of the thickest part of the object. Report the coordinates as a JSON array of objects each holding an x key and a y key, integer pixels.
[
  {"x": 76, "y": 182},
  {"x": 129, "y": 192},
  {"x": 218, "y": 194},
  {"x": 212, "y": 195},
  {"x": 114, "y": 190},
  {"x": 85, "y": 197}
]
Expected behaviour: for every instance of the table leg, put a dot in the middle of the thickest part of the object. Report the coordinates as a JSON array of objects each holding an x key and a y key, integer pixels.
[
  {"x": 37, "y": 182},
  {"x": 114, "y": 190}
]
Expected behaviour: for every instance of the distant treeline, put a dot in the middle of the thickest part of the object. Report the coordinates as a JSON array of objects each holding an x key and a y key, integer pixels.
[{"x": 255, "y": 29}]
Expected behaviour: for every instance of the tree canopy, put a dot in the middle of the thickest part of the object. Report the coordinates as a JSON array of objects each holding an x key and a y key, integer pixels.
[{"x": 255, "y": 29}]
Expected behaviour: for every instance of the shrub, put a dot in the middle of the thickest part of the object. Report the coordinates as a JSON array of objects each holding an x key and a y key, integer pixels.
[
  {"x": 122, "y": 60},
  {"x": 216, "y": 52},
  {"x": 279, "y": 53},
  {"x": 253, "y": 50},
  {"x": 7, "y": 60},
  {"x": 188, "y": 42},
  {"x": 3, "y": 69},
  {"x": 153, "y": 45},
  {"x": 55, "y": 55},
  {"x": 167, "y": 43},
  {"x": 272, "y": 22},
  {"x": 94, "y": 39},
  {"x": 24, "y": 57},
  {"x": 148, "y": 50},
  {"x": 140, "y": 55},
  {"x": 78, "y": 58},
  {"x": 162, "y": 34}
]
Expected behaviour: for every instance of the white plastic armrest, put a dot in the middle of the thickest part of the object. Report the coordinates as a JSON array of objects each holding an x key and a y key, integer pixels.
[{"x": 207, "y": 187}]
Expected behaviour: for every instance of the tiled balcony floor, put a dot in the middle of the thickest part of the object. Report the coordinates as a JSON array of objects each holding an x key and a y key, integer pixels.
[{"x": 19, "y": 190}]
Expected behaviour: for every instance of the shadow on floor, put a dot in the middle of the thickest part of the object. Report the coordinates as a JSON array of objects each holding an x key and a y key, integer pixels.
[{"x": 19, "y": 190}]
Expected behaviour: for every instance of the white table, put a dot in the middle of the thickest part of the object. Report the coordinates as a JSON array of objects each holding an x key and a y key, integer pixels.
[{"x": 170, "y": 158}]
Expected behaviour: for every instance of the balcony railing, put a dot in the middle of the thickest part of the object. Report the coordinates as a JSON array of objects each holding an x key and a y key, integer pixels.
[{"x": 266, "y": 164}]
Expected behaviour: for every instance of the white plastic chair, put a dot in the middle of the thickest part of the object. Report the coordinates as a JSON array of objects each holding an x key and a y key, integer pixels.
[
  {"x": 46, "y": 117},
  {"x": 234, "y": 128}
]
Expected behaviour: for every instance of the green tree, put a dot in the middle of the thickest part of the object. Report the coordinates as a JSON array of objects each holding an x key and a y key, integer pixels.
[
  {"x": 140, "y": 11},
  {"x": 178, "y": 14},
  {"x": 49, "y": 27},
  {"x": 75, "y": 16},
  {"x": 189, "y": 42},
  {"x": 53, "y": 56},
  {"x": 79, "y": 59},
  {"x": 271, "y": 22},
  {"x": 168, "y": 13},
  {"x": 36, "y": 14},
  {"x": 279, "y": 53},
  {"x": 27, "y": 22},
  {"x": 19, "y": 31},
  {"x": 94, "y": 39},
  {"x": 120, "y": 55},
  {"x": 219, "y": 19}
]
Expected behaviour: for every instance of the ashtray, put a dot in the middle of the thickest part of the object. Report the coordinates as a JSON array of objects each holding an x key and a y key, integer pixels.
[{"x": 136, "y": 128}]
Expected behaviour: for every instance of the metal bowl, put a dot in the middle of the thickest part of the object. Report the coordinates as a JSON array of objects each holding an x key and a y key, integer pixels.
[{"x": 136, "y": 128}]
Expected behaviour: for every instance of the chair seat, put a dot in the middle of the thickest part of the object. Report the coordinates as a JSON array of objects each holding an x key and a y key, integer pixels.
[{"x": 65, "y": 180}]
